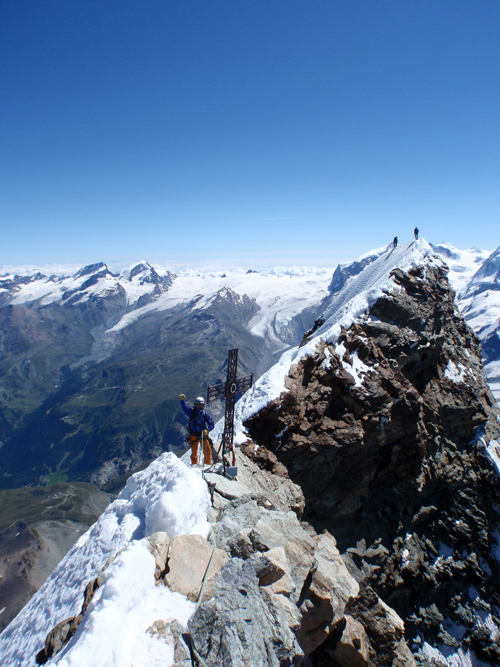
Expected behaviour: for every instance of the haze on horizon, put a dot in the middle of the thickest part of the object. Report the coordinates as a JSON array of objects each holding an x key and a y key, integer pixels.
[{"x": 277, "y": 132}]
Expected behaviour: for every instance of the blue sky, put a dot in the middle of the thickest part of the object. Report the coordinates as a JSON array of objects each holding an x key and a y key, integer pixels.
[{"x": 290, "y": 132}]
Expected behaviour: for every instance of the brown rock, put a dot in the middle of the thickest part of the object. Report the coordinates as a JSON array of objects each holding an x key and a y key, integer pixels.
[
  {"x": 383, "y": 626},
  {"x": 276, "y": 577},
  {"x": 265, "y": 459},
  {"x": 60, "y": 635},
  {"x": 352, "y": 648},
  {"x": 330, "y": 589},
  {"x": 189, "y": 559},
  {"x": 159, "y": 546}
]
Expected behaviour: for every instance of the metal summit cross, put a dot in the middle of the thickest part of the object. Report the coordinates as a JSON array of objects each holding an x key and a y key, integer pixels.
[{"x": 233, "y": 386}]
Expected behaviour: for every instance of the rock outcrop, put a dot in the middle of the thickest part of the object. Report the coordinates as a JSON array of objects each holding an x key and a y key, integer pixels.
[
  {"x": 269, "y": 589},
  {"x": 390, "y": 432},
  {"x": 60, "y": 635},
  {"x": 282, "y": 597}
]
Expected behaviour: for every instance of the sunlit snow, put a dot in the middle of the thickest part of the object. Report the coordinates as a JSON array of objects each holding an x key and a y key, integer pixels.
[{"x": 167, "y": 496}]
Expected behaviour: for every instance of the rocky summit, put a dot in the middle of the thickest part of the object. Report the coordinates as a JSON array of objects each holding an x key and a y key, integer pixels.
[{"x": 392, "y": 434}]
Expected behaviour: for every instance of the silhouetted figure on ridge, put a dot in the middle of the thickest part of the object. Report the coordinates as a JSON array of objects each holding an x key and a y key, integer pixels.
[
  {"x": 395, "y": 242},
  {"x": 415, "y": 231}
]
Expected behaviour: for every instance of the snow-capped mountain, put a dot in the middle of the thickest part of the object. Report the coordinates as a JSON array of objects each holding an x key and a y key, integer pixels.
[
  {"x": 475, "y": 276},
  {"x": 380, "y": 418},
  {"x": 361, "y": 288},
  {"x": 479, "y": 302},
  {"x": 384, "y": 418},
  {"x": 91, "y": 282}
]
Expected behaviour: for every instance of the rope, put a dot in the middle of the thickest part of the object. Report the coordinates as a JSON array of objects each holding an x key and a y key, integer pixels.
[
  {"x": 197, "y": 655},
  {"x": 204, "y": 580},
  {"x": 202, "y": 590}
]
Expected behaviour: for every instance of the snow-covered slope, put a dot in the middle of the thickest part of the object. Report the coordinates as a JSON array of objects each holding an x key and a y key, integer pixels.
[
  {"x": 480, "y": 304},
  {"x": 475, "y": 277},
  {"x": 168, "y": 497}
]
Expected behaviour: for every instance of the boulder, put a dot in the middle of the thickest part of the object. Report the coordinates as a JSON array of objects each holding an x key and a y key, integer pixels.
[
  {"x": 351, "y": 649},
  {"x": 242, "y": 625},
  {"x": 189, "y": 560},
  {"x": 275, "y": 574},
  {"x": 384, "y": 628},
  {"x": 330, "y": 588},
  {"x": 159, "y": 545}
]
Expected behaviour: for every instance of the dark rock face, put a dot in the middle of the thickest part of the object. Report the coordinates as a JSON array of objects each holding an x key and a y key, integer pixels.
[{"x": 386, "y": 433}]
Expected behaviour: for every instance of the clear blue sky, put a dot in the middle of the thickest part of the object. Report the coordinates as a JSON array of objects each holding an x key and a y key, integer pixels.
[{"x": 302, "y": 131}]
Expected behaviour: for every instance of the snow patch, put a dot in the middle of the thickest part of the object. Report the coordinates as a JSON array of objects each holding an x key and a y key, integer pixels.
[
  {"x": 113, "y": 632},
  {"x": 454, "y": 372},
  {"x": 493, "y": 451},
  {"x": 357, "y": 368}
]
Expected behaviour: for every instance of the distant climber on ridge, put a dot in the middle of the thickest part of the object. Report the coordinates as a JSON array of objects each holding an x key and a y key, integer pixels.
[
  {"x": 395, "y": 242},
  {"x": 415, "y": 231},
  {"x": 200, "y": 423}
]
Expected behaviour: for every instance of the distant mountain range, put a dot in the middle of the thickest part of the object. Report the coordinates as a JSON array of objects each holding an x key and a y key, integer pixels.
[{"x": 92, "y": 364}]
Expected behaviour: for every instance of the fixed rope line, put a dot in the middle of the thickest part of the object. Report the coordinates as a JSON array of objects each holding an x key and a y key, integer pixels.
[{"x": 202, "y": 590}]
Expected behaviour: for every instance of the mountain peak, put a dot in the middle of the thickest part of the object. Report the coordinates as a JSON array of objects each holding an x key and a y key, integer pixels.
[
  {"x": 91, "y": 268},
  {"x": 140, "y": 268}
]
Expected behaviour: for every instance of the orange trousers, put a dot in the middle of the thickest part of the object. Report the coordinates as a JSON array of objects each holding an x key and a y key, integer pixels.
[{"x": 207, "y": 450}]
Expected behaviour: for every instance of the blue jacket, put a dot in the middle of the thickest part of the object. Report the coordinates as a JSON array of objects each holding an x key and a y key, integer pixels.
[{"x": 198, "y": 419}]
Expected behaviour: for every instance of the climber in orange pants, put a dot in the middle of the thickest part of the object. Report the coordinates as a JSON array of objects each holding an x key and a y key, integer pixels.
[
  {"x": 206, "y": 448},
  {"x": 200, "y": 423}
]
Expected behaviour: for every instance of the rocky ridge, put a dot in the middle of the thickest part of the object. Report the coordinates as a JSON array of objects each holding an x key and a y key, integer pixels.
[
  {"x": 392, "y": 433},
  {"x": 269, "y": 589}
]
